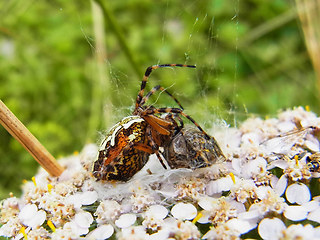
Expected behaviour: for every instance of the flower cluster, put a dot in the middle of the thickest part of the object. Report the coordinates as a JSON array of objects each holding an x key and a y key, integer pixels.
[{"x": 269, "y": 185}]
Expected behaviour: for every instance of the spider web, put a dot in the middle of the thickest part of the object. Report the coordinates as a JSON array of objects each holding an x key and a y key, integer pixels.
[
  {"x": 201, "y": 32},
  {"x": 230, "y": 81}
]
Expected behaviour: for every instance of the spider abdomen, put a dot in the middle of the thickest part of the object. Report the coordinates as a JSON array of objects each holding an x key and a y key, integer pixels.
[{"x": 118, "y": 158}]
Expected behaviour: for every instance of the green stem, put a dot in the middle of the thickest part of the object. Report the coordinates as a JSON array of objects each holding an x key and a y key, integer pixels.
[{"x": 118, "y": 33}]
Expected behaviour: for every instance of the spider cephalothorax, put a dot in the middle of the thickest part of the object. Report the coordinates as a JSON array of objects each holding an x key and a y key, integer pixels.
[{"x": 129, "y": 143}]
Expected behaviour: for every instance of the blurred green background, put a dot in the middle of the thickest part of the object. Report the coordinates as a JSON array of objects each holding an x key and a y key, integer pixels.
[{"x": 69, "y": 70}]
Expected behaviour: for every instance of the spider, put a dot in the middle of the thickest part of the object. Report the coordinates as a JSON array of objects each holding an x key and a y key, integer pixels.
[
  {"x": 190, "y": 148},
  {"x": 127, "y": 146}
]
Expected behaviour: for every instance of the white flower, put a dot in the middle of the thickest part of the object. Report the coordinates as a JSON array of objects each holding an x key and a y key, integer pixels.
[
  {"x": 153, "y": 217},
  {"x": 219, "y": 210},
  {"x": 133, "y": 233},
  {"x": 229, "y": 230},
  {"x": 180, "y": 229},
  {"x": 301, "y": 232},
  {"x": 184, "y": 211},
  {"x": 252, "y": 138},
  {"x": 162, "y": 234},
  {"x": 298, "y": 193},
  {"x": 80, "y": 224},
  {"x": 31, "y": 216},
  {"x": 271, "y": 228},
  {"x": 102, "y": 232},
  {"x": 64, "y": 233},
  {"x": 108, "y": 210},
  {"x": 219, "y": 185},
  {"x": 270, "y": 201},
  {"x": 126, "y": 220},
  {"x": 10, "y": 228},
  {"x": 243, "y": 189},
  {"x": 82, "y": 198},
  {"x": 255, "y": 167},
  {"x": 141, "y": 198}
]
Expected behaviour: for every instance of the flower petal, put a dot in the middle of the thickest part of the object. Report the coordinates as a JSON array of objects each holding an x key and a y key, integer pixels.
[
  {"x": 157, "y": 211},
  {"x": 83, "y": 219},
  {"x": 31, "y": 217},
  {"x": 281, "y": 185},
  {"x": 126, "y": 220},
  {"x": 315, "y": 215},
  {"x": 102, "y": 232},
  {"x": 89, "y": 197},
  {"x": 271, "y": 228},
  {"x": 241, "y": 226},
  {"x": 184, "y": 211},
  {"x": 220, "y": 185},
  {"x": 295, "y": 213},
  {"x": 298, "y": 193}
]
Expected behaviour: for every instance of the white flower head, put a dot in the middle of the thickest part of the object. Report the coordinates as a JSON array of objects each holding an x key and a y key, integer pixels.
[
  {"x": 153, "y": 217},
  {"x": 243, "y": 189},
  {"x": 108, "y": 210},
  {"x": 31, "y": 216},
  {"x": 231, "y": 229},
  {"x": 219, "y": 210},
  {"x": 298, "y": 231},
  {"x": 141, "y": 198},
  {"x": 297, "y": 170},
  {"x": 133, "y": 233},
  {"x": 183, "y": 229},
  {"x": 10, "y": 228}
]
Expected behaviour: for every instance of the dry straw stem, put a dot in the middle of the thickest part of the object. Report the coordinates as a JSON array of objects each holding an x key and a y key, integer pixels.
[
  {"x": 309, "y": 14},
  {"x": 12, "y": 124}
]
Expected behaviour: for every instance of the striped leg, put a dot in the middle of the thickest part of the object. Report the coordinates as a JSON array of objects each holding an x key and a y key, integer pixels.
[
  {"x": 147, "y": 74},
  {"x": 157, "y": 88}
]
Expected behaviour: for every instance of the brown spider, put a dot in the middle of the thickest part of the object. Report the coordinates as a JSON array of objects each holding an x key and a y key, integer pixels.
[{"x": 127, "y": 146}]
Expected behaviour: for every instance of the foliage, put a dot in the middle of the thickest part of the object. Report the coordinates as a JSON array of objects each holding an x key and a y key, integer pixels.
[{"x": 250, "y": 57}]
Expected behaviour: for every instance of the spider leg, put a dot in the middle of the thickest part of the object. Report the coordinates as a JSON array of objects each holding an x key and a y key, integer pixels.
[
  {"x": 159, "y": 124},
  {"x": 173, "y": 117},
  {"x": 153, "y": 90},
  {"x": 153, "y": 148},
  {"x": 147, "y": 74},
  {"x": 177, "y": 111},
  {"x": 150, "y": 150}
]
